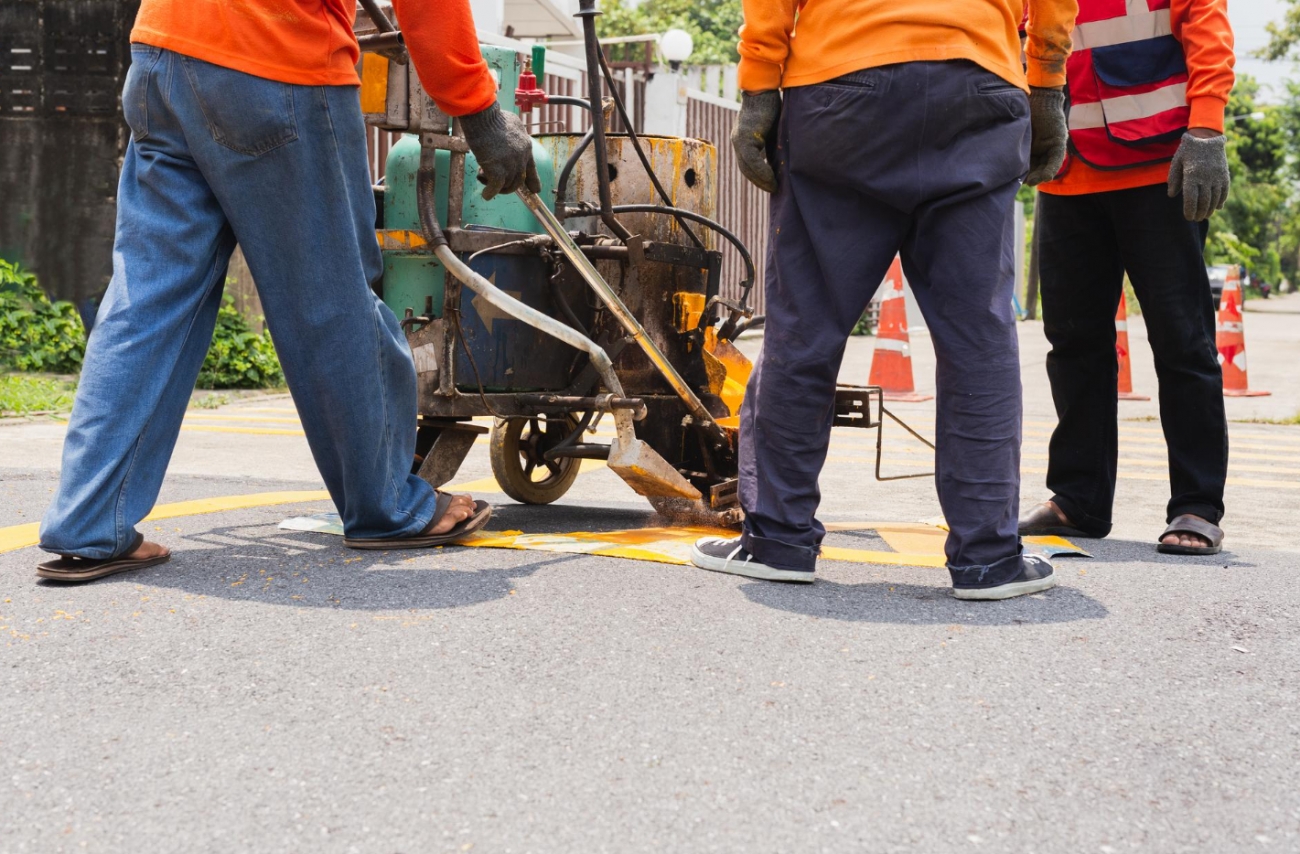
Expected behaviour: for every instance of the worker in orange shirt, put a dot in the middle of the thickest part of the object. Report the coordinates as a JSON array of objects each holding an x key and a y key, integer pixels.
[
  {"x": 246, "y": 128},
  {"x": 1148, "y": 84},
  {"x": 886, "y": 127}
]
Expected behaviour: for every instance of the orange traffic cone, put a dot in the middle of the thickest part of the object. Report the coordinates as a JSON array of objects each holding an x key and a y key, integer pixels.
[
  {"x": 1122, "y": 353},
  {"x": 891, "y": 364},
  {"x": 1230, "y": 338}
]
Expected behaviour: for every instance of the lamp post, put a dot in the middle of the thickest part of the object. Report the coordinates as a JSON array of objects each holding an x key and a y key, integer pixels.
[{"x": 675, "y": 46}]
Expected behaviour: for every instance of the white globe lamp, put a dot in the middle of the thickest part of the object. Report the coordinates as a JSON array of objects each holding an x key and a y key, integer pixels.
[{"x": 676, "y": 46}]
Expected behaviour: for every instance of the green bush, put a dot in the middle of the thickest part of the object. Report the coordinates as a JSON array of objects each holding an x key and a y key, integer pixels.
[
  {"x": 239, "y": 357},
  {"x": 36, "y": 334}
]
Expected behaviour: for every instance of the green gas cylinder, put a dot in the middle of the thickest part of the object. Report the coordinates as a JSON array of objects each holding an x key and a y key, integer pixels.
[{"x": 414, "y": 280}]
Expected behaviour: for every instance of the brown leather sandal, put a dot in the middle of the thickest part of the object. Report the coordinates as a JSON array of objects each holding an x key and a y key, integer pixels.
[
  {"x": 1042, "y": 521},
  {"x": 1189, "y": 524},
  {"x": 482, "y": 513},
  {"x": 71, "y": 569}
]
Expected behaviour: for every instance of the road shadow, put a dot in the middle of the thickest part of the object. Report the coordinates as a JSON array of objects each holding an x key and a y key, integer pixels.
[
  {"x": 1109, "y": 551},
  {"x": 262, "y": 564},
  {"x": 894, "y": 602}
]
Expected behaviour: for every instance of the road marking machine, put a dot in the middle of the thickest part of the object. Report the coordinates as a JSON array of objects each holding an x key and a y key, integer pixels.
[{"x": 599, "y": 297}]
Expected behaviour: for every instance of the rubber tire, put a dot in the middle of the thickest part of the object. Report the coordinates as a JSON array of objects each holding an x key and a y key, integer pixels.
[
  {"x": 683, "y": 511},
  {"x": 508, "y": 468}
]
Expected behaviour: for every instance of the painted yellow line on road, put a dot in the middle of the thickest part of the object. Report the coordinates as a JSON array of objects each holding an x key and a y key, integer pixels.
[
  {"x": 253, "y": 431},
  {"x": 22, "y": 536},
  {"x": 260, "y": 419},
  {"x": 1232, "y": 481},
  {"x": 281, "y": 410}
]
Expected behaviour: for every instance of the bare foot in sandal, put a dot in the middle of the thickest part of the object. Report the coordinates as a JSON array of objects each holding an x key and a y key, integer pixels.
[
  {"x": 1186, "y": 540},
  {"x": 456, "y": 517},
  {"x": 1191, "y": 535},
  {"x": 79, "y": 569},
  {"x": 149, "y": 551},
  {"x": 462, "y": 507}
]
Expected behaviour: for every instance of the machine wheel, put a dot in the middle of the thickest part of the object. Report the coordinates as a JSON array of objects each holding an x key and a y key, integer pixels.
[
  {"x": 683, "y": 511},
  {"x": 517, "y": 449}
]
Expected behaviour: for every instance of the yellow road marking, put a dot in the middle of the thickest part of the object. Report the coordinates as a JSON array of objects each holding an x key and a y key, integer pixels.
[
  {"x": 280, "y": 410},
  {"x": 1232, "y": 481},
  {"x": 255, "y": 431},
  {"x": 263, "y": 419},
  {"x": 22, "y": 536}
]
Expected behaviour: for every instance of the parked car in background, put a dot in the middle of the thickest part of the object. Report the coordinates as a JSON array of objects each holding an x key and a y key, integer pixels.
[{"x": 1218, "y": 275}]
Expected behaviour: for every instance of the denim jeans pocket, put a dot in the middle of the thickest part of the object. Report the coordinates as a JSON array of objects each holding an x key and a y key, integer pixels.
[
  {"x": 135, "y": 91},
  {"x": 249, "y": 115}
]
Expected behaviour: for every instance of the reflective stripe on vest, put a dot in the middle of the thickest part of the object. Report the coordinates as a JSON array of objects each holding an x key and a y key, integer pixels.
[{"x": 1128, "y": 84}]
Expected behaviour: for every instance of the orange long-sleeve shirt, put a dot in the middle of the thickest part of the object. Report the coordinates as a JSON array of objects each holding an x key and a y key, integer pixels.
[
  {"x": 1203, "y": 29},
  {"x": 310, "y": 42},
  {"x": 836, "y": 37}
]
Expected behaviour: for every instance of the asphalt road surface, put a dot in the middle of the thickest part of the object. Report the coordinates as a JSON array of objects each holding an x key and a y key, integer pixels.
[{"x": 272, "y": 691}]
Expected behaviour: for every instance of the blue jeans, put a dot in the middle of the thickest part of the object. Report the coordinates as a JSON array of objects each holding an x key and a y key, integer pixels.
[
  {"x": 921, "y": 159},
  {"x": 218, "y": 157}
]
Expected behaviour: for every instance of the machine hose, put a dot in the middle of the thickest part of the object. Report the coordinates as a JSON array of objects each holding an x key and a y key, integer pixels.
[
  {"x": 425, "y": 202},
  {"x": 750, "y": 274}
]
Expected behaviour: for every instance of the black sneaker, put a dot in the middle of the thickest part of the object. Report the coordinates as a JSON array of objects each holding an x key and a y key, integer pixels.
[
  {"x": 726, "y": 554},
  {"x": 1035, "y": 576}
]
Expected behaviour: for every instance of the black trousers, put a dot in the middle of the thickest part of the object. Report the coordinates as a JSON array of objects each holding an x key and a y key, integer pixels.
[{"x": 1087, "y": 244}]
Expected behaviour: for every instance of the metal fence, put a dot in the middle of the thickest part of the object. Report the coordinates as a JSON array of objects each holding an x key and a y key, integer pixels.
[{"x": 742, "y": 207}]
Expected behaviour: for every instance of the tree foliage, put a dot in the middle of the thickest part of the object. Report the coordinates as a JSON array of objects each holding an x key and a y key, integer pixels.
[
  {"x": 1284, "y": 35},
  {"x": 714, "y": 25},
  {"x": 1251, "y": 229}
]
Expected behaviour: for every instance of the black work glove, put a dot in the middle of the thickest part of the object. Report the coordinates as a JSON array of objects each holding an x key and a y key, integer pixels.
[
  {"x": 504, "y": 151},
  {"x": 1049, "y": 134},
  {"x": 755, "y": 125},
  {"x": 1200, "y": 172}
]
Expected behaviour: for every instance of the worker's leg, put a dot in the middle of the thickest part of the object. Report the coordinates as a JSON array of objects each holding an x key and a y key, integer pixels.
[
  {"x": 1162, "y": 252},
  {"x": 289, "y": 166},
  {"x": 960, "y": 260},
  {"x": 1081, "y": 275},
  {"x": 154, "y": 328},
  {"x": 830, "y": 247}
]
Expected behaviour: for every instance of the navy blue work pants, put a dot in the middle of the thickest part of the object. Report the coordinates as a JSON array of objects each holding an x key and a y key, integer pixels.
[{"x": 921, "y": 159}]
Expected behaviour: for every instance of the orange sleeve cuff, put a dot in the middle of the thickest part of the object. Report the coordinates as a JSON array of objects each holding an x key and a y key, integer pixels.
[
  {"x": 754, "y": 75},
  {"x": 1043, "y": 77},
  {"x": 1207, "y": 112}
]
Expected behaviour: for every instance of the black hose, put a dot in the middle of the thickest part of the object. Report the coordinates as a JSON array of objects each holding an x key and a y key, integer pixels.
[
  {"x": 640, "y": 152},
  {"x": 562, "y": 185},
  {"x": 426, "y": 199},
  {"x": 568, "y": 101},
  {"x": 588, "y": 12},
  {"x": 750, "y": 274}
]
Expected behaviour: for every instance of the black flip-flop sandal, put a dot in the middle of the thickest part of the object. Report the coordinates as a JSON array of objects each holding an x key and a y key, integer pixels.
[
  {"x": 71, "y": 569},
  {"x": 1189, "y": 524},
  {"x": 482, "y": 513}
]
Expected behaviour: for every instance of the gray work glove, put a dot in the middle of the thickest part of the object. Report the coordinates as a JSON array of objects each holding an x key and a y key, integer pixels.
[
  {"x": 1048, "y": 134},
  {"x": 1200, "y": 172},
  {"x": 504, "y": 151},
  {"x": 754, "y": 127}
]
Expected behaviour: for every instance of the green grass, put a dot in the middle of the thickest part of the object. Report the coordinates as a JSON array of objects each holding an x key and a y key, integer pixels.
[
  {"x": 28, "y": 394},
  {"x": 209, "y": 401},
  {"x": 1293, "y": 421}
]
